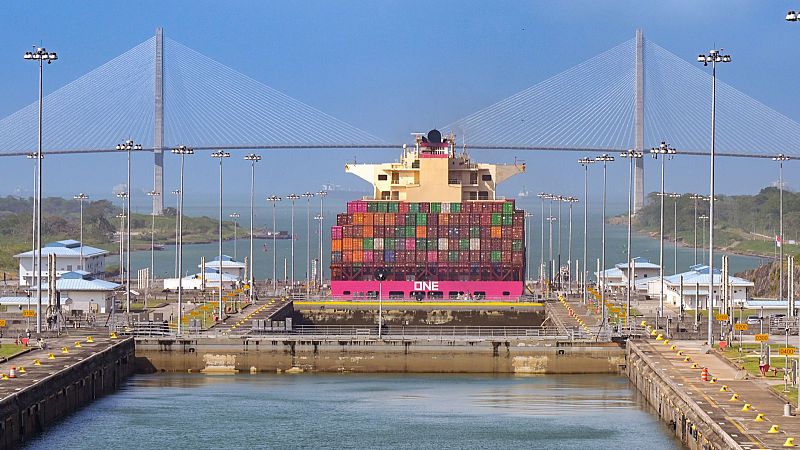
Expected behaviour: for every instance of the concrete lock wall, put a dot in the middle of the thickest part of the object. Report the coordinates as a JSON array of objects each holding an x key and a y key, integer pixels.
[
  {"x": 688, "y": 421},
  {"x": 370, "y": 355},
  {"x": 29, "y": 411}
]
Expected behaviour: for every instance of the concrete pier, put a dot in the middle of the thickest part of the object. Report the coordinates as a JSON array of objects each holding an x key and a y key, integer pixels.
[{"x": 44, "y": 393}]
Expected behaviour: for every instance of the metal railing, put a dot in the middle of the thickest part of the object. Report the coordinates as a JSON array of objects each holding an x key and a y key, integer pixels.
[{"x": 442, "y": 331}]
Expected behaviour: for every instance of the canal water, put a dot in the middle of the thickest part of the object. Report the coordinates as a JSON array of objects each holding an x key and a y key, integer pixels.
[
  {"x": 365, "y": 411},
  {"x": 616, "y": 241}
]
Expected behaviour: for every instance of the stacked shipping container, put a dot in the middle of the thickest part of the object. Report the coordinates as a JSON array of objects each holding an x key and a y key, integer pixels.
[{"x": 470, "y": 241}]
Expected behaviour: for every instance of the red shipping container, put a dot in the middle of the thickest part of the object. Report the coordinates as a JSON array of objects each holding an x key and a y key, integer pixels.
[
  {"x": 517, "y": 257},
  {"x": 432, "y": 256},
  {"x": 366, "y": 255},
  {"x": 403, "y": 207},
  {"x": 411, "y": 243},
  {"x": 517, "y": 233},
  {"x": 424, "y": 207},
  {"x": 347, "y": 256},
  {"x": 463, "y": 232},
  {"x": 389, "y": 219},
  {"x": 442, "y": 255},
  {"x": 444, "y": 219},
  {"x": 367, "y": 231},
  {"x": 422, "y": 256},
  {"x": 507, "y": 245},
  {"x": 475, "y": 219},
  {"x": 358, "y": 231},
  {"x": 474, "y": 256},
  {"x": 433, "y": 219},
  {"x": 377, "y": 256},
  {"x": 486, "y": 220},
  {"x": 400, "y": 220},
  {"x": 506, "y": 234},
  {"x": 377, "y": 219},
  {"x": 336, "y": 232}
]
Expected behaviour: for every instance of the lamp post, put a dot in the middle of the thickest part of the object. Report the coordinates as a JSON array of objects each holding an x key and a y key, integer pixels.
[
  {"x": 152, "y": 238},
  {"x": 695, "y": 197},
  {"x": 127, "y": 146},
  {"x": 560, "y": 200},
  {"x": 321, "y": 194},
  {"x": 81, "y": 197},
  {"x": 182, "y": 151},
  {"x": 585, "y": 162},
  {"x": 40, "y": 54},
  {"x": 253, "y": 158},
  {"x": 780, "y": 159},
  {"x": 235, "y": 216},
  {"x": 319, "y": 219},
  {"x": 713, "y": 57},
  {"x": 605, "y": 159},
  {"x": 675, "y": 197},
  {"x": 121, "y": 218},
  {"x": 221, "y": 155},
  {"x": 704, "y": 218},
  {"x": 550, "y": 220},
  {"x": 308, "y": 196},
  {"x": 631, "y": 155},
  {"x": 274, "y": 199},
  {"x": 570, "y": 201},
  {"x": 542, "y": 196},
  {"x": 33, "y": 229},
  {"x": 177, "y": 194},
  {"x": 123, "y": 263},
  {"x": 292, "y": 198},
  {"x": 664, "y": 150}
]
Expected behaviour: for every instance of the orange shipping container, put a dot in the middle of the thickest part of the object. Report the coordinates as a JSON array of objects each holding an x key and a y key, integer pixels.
[
  {"x": 358, "y": 218},
  {"x": 497, "y": 232},
  {"x": 368, "y": 219},
  {"x": 358, "y": 256},
  {"x": 347, "y": 244},
  {"x": 368, "y": 231},
  {"x": 378, "y": 218},
  {"x": 422, "y": 232},
  {"x": 388, "y": 219},
  {"x": 444, "y": 219},
  {"x": 336, "y": 245}
]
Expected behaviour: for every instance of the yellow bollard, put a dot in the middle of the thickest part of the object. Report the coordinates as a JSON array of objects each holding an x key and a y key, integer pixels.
[
  {"x": 680, "y": 353},
  {"x": 77, "y": 344},
  {"x": 660, "y": 337},
  {"x": 774, "y": 429},
  {"x": 734, "y": 397},
  {"x": 746, "y": 407},
  {"x": 5, "y": 377},
  {"x": 666, "y": 341},
  {"x": 673, "y": 347},
  {"x": 789, "y": 442},
  {"x": 644, "y": 323},
  {"x": 36, "y": 362},
  {"x": 64, "y": 350},
  {"x": 759, "y": 418},
  {"x": 113, "y": 335},
  {"x": 695, "y": 366},
  {"x": 724, "y": 388},
  {"x": 51, "y": 356},
  {"x": 653, "y": 333},
  {"x": 687, "y": 359},
  {"x": 21, "y": 369},
  {"x": 90, "y": 339},
  {"x": 713, "y": 380}
]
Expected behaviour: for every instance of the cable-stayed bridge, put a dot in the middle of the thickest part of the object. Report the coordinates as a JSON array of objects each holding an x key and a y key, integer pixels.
[{"x": 164, "y": 94}]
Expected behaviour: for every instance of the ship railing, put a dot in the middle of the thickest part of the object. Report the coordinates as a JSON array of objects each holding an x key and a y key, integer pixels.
[{"x": 301, "y": 296}]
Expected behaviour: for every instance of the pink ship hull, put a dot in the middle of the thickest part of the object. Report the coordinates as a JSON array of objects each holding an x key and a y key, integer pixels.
[{"x": 489, "y": 290}]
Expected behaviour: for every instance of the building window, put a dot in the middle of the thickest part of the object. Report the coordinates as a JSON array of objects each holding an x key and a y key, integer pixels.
[
  {"x": 453, "y": 181},
  {"x": 385, "y": 195},
  {"x": 473, "y": 178},
  {"x": 486, "y": 177},
  {"x": 473, "y": 195},
  {"x": 415, "y": 164},
  {"x": 483, "y": 195},
  {"x": 69, "y": 267},
  {"x": 383, "y": 177},
  {"x": 395, "y": 178}
]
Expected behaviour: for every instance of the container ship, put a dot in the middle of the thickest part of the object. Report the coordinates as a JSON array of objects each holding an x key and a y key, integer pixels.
[{"x": 434, "y": 228}]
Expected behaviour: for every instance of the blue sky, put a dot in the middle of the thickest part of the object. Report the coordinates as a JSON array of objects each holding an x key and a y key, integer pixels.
[{"x": 393, "y": 67}]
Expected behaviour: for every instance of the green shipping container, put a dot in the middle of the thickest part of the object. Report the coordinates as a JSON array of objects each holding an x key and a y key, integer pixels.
[
  {"x": 497, "y": 219},
  {"x": 422, "y": 244},
  {"x": 432, "y": 244},
  {"x": 508, "y": 208},
  {"x": 411, "y": 231},
  {"x": 453, "y": 256},
  {"x": 518, "y": 245},
  {"x": 436, "y": 208},
  {"x": 422, "y": 219},
  {"x": 393, "y": 207},
  {"x": 455, "y": 207},
  {"x": 496, "y": 256},
  {"x": 368, "y": 243},
  {"x": 413, "y": 208},
  {"x": 372, "y": 207},
  {"x": 382, "y": 207},
  {"x": 474, "y": 232},
  {"x": 463, "y": 244},
  {"x": 389, "y": 244},
  {"x": 508, "y": 220}
]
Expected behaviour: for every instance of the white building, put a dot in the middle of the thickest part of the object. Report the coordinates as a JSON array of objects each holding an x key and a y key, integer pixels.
[
  {"x": 695, "y": 288},
  {"x": 68, "y": 258},
  {"x": 79, "y": 291},
  {"x": 616, "y": 278},
  {"x": 229, "y": 267},
  {"x": 195, "y": 282}
]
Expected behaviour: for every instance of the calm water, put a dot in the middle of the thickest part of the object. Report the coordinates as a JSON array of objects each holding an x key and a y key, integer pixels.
[
  {"x": 616, "y": 241},
  {"x": 365, "y": 411}
]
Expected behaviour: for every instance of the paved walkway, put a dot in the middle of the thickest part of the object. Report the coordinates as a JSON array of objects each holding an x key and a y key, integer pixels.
[{"x": 725, "y": 400}]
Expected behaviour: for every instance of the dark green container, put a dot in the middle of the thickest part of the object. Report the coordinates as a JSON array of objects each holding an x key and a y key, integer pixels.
[
  {"x": 518, "y": 245},
  {"x": 411, "y": 231},
  {"x": 455, "y": 208},
  {"x": 474, "y": 232},
  {"x": 422, "y": 219},
  {"x": 383, "y": 207},
  {"x": 436, "y": 208},
  {"x": 508, "y": 220},
  {"x": 496, "y": 256},
  {"x": 413, "y": 208},
  {"x": 372, "y": 207},
  {"x": 394, "y": 207},
  {"x": 463, "y": 244},
  {"x": 453, "y": 256},
  {"x": 422, "y": 244},
  {"x": 389, "y": 244},
  {"x": 508, "y": 208},
  {"x": 368, "y": 243},
  {"x": 497, "y": 219}
]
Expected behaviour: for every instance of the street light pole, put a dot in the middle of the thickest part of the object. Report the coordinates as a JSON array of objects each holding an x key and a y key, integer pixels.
[
  {"x": 292, "y": 198},
  {"x": 550, "y": 220},
  {"x": 528, "y": 216},
  {"x": 220, "y": 154},
  {"x": 695, "y": 197},
  {"x": 663, "y": 150},
  {"x": 605, "y": 159},
  {"x": 308, "y": 196},
  {"x": 182, "y": 151},
  {"x": 631, "y": 155},
  {"x": 780, "y": 159},
  {"x": 127, "y": 146},
  {"x": 585, "y": 162},
  {"x": 321, "y": 194},
  {"x": 40, "y": 55},
  {"x": 123, "y": 264},
  {"x": 81, "y": 197},
  {"x": 177, "y": 193},
  {"x": 253, "y": 158},
  {"x": 675, "y": 197},
  {"x": 542, "y": 196},
  {"x": 235, "y": 216},
  {"x": 274, "y": 199},
  {"x": 570, "y": 201},
  {"x": 713, "y": 57},
  {"x": 152, "y": 240}
]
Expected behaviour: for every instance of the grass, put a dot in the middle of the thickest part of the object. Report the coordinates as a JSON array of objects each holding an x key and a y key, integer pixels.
[
  {"x": 748, "y": 359},
  {"x": 790, "y": 396},
  {"x": 7, "y": 350}
]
